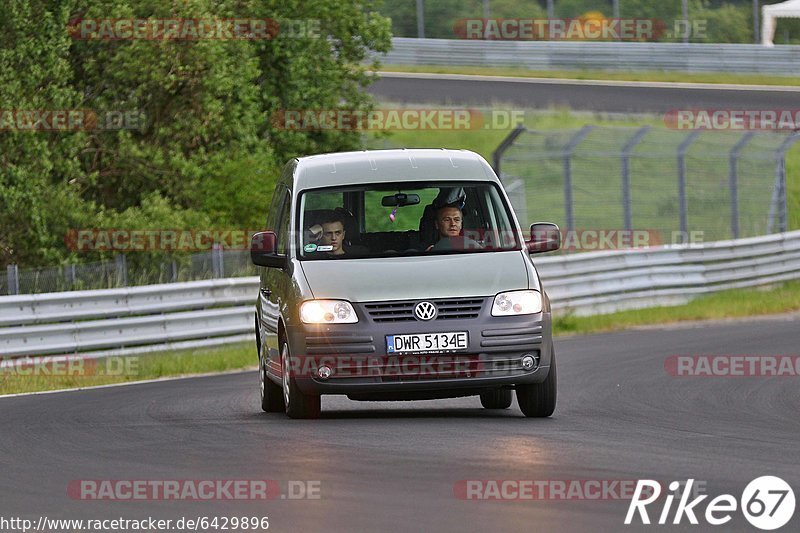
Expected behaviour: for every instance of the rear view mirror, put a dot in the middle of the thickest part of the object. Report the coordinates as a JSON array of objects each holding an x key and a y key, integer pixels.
[
  {"x": 263, "y": 247},
  {"x": 400, "y": 200},
  {"x": 545, "y": 237}
]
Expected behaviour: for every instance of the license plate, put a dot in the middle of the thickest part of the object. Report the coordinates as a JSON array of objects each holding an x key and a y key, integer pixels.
[{"x": 427, "y": 342}]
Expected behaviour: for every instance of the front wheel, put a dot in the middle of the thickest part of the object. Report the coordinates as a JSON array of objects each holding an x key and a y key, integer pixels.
[
  {"x": 298, "y": 405},
  {"x": 538, "y": 400},
  {"x": 271, "y": 394}
]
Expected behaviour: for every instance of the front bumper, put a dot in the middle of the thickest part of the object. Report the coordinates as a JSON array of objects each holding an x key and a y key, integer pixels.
[{"x": 358, "y": 361}]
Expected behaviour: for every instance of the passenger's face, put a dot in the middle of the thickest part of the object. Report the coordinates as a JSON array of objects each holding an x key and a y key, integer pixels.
[
  {"x": 333, "y": 234},
  {"x": 449, "y": 221}
]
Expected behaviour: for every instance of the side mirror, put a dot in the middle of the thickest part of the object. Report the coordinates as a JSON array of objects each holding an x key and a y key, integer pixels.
[
  {"x": 263, "y": 246},
  {"x": 545, "y": 237}
]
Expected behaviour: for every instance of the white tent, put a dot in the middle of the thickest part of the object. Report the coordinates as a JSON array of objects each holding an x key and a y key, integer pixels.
[{"x": 790, "y": 9}]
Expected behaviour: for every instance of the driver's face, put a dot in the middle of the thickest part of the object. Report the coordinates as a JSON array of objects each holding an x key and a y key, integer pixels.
[
  {"x": 333, "y": 234},
  {"x": 449, "y": 221}
]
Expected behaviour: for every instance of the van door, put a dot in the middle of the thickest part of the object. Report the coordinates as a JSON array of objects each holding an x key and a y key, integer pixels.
[{"x": 268, "y": 296}]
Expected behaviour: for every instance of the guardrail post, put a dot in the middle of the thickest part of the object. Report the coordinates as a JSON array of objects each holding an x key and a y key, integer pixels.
[
  {"x": 174, "y": 271},
  {"x": 12, "y": 277},
  {"x": 733, "y": 181},
  {"x": 683, "y": 204},
  {"x": 497, "y": 155},
  {"x": 778, "y": 204},
  {"x": 122, "y": 270},
  {"x": 569, "y": 150},
  {"x": 626, "y": 174}
]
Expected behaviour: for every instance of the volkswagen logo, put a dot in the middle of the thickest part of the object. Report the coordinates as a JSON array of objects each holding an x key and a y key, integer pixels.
[{"x": 425, "y": 311}]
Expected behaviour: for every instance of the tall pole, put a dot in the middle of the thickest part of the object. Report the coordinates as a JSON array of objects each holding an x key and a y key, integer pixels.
[
  {"x": 756, "y": 22},
  {"x": 551, "y": 12},
  {"x": 616, "y": 9},
  {"x": 420, "y": 19},
  {"x": 685, "y": 13}
]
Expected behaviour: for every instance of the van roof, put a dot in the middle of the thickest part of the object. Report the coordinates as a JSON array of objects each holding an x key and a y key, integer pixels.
[{"x": 378, "y": 166}]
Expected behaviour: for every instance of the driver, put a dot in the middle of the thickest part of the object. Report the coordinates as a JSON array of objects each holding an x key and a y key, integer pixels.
[
  {"x": 449, "y": 221},
  {"x": 331, "y": 233}
]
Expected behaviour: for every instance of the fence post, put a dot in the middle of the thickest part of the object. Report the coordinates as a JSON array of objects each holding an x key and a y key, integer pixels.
[
  {"x": 733, "y": 181},
  {"x": 12, "y": 277},
  {"x": 174, "y": 271},
  {"x": 778, "y": 206},
  {"x": 71, "y": 275},
  {"x": 122, "y": 270},
  {"x": 216, "y": 261},
  {"x": 684, "y": 207},
  {"x": 569, "y": 150},
  {"x": 626, "y": 174},
  {"x": 497, "y": 155}
]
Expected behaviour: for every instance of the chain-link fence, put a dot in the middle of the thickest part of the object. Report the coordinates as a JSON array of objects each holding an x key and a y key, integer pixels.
[
  {"x": 668, "y": 184},
  {"x": 723, "y": 184},
  {"x": 128, "y": 271}
]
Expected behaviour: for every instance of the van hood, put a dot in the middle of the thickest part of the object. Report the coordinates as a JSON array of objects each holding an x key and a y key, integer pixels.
[{"x": 415, "y": 278}]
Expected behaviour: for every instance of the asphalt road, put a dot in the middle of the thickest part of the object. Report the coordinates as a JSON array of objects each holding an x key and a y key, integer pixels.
[
  {"x": 616, "y": 97},
  {"x": 394, "y": 466}
]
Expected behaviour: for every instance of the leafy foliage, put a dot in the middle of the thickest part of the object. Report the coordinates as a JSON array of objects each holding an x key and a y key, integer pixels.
[{"x": 203, "y": 147}]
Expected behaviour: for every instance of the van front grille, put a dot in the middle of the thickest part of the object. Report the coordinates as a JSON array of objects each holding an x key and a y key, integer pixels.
[{"x": 461, "y": 308}]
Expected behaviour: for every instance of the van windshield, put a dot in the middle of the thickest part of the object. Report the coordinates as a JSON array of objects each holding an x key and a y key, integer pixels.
[{"x": 396, "y": 219}]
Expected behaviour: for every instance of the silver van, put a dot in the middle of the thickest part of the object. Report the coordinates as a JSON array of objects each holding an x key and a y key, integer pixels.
[{"x": 400, "y": 275}]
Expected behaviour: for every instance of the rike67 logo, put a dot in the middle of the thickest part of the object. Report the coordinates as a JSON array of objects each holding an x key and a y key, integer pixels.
[{"x": 767, "y": 503}]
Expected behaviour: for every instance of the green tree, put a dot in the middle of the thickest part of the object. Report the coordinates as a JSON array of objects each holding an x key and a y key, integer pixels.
[
  {"x": 39, "y": 196},
  {"x": 205, "y": 144}
]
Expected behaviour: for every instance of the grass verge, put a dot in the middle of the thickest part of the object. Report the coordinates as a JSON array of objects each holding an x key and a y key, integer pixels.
[
  {"x": 90, "y": 373},
  {"x": 604, "y": 75},
  {"x": 736, "y": 303},
  {"x": 782, "y": 298}
]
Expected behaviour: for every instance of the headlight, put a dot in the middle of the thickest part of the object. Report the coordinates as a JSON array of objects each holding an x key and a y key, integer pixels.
[
  {"x": 327, "y": 312},
  {"x": 517, "y": 303}
]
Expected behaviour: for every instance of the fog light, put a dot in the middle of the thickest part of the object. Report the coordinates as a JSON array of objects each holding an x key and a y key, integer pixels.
[
  {"x": 324, "y": 372},
  {"x": 530, "y": 362}
]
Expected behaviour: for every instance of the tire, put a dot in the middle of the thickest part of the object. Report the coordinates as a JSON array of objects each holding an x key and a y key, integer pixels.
[
  {"x": 538, "y": 400},
  {"x": 297, "y": 404},
  {"x": 271, "y": 394},
  {"x": 496, "y": 399}
]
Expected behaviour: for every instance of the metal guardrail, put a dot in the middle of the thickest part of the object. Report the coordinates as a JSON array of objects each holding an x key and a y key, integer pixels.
[
  {"x": 182, "y": 315},
  {"x": 567, "y": 55},
  {"x": 603, "y": 282}
]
